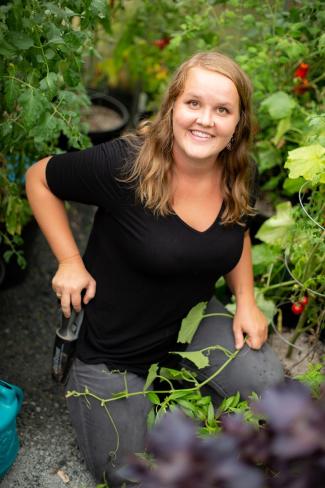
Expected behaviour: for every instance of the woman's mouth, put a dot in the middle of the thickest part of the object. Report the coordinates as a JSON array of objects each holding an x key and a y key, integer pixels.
[{"x": 200, "y": 135}]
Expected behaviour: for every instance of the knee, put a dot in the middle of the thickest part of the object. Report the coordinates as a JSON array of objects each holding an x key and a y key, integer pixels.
[{"x": 261, "y": 370}]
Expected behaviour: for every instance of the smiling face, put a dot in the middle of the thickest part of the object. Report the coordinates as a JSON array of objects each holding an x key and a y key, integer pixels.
[{"x": 205, "y": 116}]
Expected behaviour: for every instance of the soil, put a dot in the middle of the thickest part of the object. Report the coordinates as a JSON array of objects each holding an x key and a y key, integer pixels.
[
  {"x": 49, "y": 457},
  {"x": 101, "y": 119}
]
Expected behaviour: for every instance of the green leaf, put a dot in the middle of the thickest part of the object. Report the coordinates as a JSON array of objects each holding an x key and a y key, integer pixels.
[
  {"x": 154, "y": 398},
  {"x": 6, "y": 49},
  {"x": 283, "y": 126},
  {"x": 152, "y": 375},
  {"x": 268, "y": 156},
  {"x": 151, "y": 419},
  {"x": 7, "y": 255},
  {"x": 292, "y": 48},
  {"x": 292, "y": 186},
  {"x": 211, "y": 413},
  {"x": 264, "y": 255},
  {"x": 279, "y": 105},
  {"x": 173, "y": 374},
  {"x": 32, "y": 103},
  {"x": 11, "y": 93},
  {"x": 307, "y": 161},
  {"x": 50, "y": 84},
  {"x": 196, "y": 357},
  {"x": 178, "y": 394},
  {"x": 275, "y": 229},
  {"x": 267, "y": 306},
  {"x": 20, "y": 40},
  {"x": 99, "y": 8},
  {"x": 187, "y": 405},
  {"x": 191, "y": 322}
]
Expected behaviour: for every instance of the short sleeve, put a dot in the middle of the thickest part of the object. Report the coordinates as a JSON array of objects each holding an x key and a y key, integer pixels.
[{"x": 89, "y": 176}]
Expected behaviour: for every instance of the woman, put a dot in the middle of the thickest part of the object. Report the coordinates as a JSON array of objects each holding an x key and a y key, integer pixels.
[{"x": 172, "y": 206}]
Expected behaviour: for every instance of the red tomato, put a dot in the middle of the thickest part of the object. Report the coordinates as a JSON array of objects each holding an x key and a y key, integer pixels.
[
  {"x": 161, "y": 43},
  {"x": 297, "y": 308},
  {"x": 304, "y": 300},
  {"x": 301, "y": 71}
]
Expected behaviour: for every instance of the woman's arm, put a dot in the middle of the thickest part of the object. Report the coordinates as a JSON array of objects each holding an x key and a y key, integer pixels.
[
  {"x": 71, "y": 277},
  {"x": 248, "y": 317}
]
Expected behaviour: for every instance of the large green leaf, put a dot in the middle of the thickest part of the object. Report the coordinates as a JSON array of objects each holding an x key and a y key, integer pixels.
[
  {"x": 20, "y": 40},
  {"x": 191, "y": 322},
  {"x": 275, "y": 229},
  {"x": 279, "y": 105},
  {"x": 307, "y": 161}
]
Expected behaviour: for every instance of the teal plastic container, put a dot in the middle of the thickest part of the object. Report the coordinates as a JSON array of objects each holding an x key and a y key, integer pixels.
[{"x": 11, "y": 399}]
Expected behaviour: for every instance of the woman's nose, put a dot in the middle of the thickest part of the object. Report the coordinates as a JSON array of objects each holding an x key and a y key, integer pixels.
[{"x": 205, "y": 118}]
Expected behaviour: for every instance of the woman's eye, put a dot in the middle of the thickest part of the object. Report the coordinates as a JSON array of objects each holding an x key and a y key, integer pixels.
[
  {"x": 193, "y": 103},
  {"x": 222, "y": 110}
]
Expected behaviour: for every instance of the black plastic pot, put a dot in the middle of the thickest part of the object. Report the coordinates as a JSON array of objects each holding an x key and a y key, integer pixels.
[
  {"x": 97, "y": 137},
  {"x": 103, "y": 100}
]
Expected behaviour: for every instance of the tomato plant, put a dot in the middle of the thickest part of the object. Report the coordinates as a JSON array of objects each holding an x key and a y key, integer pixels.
[{"x": 42, "y": 45}]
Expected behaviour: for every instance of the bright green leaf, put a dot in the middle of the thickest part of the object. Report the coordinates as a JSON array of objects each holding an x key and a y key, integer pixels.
[
  {"x": 152, "y": 375},
  {"x": 196, "y": 357},
  {"x": 292, "y": 186},
  {"x": 307, "y": 161},
  {"x": 275, "y": 229},
  {"x": 283, "y": 126},
  {"x": 279, "y": 105},
  {"x": 154, "y": 398},
  {"x": 191, "y": 322}
]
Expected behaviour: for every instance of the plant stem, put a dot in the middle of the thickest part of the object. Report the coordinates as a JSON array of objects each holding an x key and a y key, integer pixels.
[
  {"x": 298, "y": 331},
  {"x": 278, "y": 285},
  {"x": 215, "y": 314}
]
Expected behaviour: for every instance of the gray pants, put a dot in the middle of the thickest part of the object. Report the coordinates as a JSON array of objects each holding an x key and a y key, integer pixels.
[{"x": 104, "y": 450}]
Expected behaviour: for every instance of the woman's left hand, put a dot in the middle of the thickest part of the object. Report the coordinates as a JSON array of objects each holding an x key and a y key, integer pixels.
[{"x": 250, "y": 320}]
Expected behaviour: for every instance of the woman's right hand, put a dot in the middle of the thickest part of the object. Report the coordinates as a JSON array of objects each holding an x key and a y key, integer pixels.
[{"x": 69, "y": 281}]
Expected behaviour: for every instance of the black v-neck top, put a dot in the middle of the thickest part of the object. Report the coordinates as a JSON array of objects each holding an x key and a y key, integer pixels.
[{"x": 150, "y": 271}]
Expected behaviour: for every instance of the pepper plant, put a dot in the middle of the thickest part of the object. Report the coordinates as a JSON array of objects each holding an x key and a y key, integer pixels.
[{"x": 42, "y": 46}]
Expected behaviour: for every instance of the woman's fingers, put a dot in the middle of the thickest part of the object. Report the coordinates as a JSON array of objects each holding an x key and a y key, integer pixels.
[
  {"x": 90, "y": 292},
  {"x": 66, "y": 304}
]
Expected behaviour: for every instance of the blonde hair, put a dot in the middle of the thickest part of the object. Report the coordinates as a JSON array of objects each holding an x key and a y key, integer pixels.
[{"x": 151, "y": 170}]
